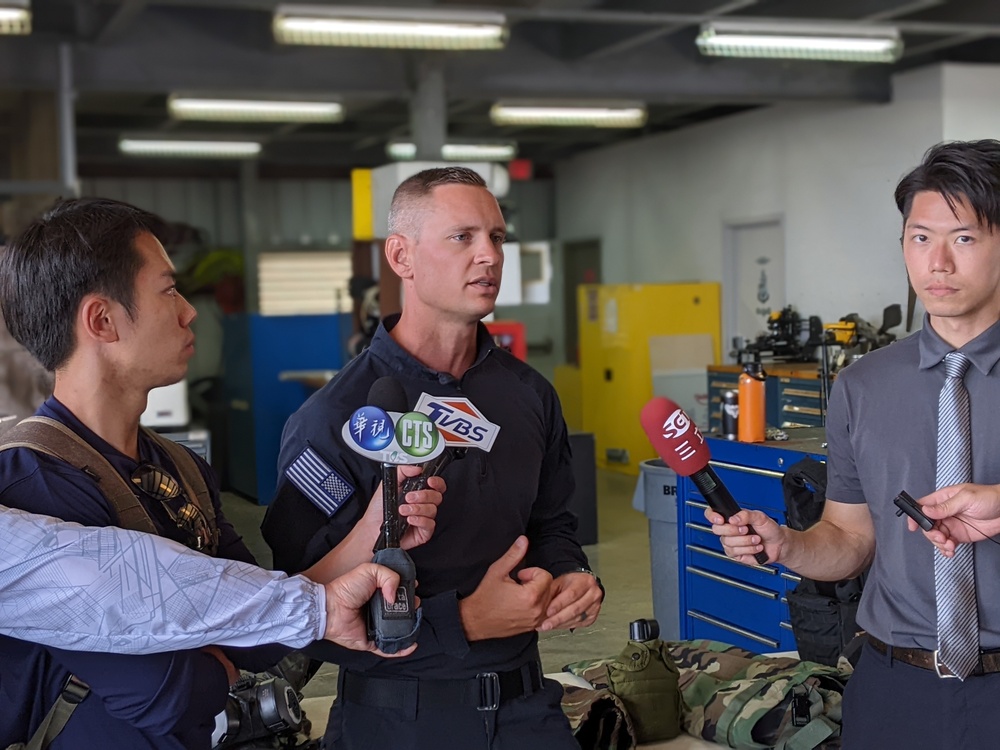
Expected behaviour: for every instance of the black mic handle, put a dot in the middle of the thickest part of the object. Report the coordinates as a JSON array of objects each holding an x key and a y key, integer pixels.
[
  {"x": 390, "y": 508},
  {"x": 392, "y": 626},
  {"x": 431, "y": 468},
  {"x": 719, "y": 499}
]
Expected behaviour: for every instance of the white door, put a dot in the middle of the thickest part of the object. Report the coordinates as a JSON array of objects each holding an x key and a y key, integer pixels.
[{"x": 753, "y": 280}]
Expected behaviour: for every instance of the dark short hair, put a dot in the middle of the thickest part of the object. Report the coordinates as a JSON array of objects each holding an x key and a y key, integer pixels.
[
  {"x": 413, "y": 189},
  {"x": 79, "y": 247},
  {"x": 959, "y": 171}
]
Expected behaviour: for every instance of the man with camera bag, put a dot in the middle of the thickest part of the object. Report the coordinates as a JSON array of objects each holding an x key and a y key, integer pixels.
[{"x": 89, "y": 290}]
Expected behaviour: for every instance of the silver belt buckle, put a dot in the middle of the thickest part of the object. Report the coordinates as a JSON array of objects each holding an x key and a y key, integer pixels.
[{"x": 938, "y": 666}]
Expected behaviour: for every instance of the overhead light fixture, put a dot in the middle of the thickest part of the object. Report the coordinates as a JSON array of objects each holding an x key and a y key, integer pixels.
[
  {"x": 15, "y": 17},
  {"x": 801, "y": 41},
  {"x": 497, "y": 151},
  {"x": 402, "y": 28},
  {"x": 621, "y": 115},
  {"x": 198, "y": 149},
  {"x": 247, "y": 110}
]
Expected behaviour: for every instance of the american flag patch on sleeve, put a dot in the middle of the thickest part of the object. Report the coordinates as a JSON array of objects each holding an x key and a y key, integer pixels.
[{"x": 318, "y": 481}]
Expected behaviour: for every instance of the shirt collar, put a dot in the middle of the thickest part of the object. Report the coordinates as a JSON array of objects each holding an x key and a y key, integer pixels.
[
  {"x": 983, "y": 351},
  {"x": 384, "y": 347}
]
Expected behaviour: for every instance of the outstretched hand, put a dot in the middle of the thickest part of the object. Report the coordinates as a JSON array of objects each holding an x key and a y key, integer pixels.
[
  {"x": 346, "y": 597},
  {"x": 963, "y": 513},
  {"x": 741, "y": 545}
]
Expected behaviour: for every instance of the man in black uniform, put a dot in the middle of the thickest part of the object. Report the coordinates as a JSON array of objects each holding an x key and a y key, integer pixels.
[{"x": 504, "y": 561}]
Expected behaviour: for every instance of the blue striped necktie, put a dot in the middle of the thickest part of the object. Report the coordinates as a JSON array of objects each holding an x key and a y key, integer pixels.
[{"x": 954, "y": 577}]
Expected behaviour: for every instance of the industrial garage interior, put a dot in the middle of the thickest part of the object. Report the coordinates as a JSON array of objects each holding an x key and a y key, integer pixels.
[{"x": 693, "y": 211}]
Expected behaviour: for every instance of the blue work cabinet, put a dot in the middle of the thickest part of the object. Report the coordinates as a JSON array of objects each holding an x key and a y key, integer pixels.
[
  {"x": 256, "y": 350},
  {"x": 722, "y": 599}
]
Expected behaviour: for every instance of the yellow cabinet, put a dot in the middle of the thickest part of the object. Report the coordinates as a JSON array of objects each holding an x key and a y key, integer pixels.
[{"x": 617, "y": 322}]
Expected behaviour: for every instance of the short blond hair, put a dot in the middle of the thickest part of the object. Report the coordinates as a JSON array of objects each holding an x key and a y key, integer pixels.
[{"x": 412, "y": 190}]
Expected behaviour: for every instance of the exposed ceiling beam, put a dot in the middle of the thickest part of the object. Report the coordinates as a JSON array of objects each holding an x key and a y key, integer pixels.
[
  {"x": 951, "y": 41},
  {"x": 120, "y": 20},
  {"x": 662, "y": 31},
  {"x": 904, "y": 10}
]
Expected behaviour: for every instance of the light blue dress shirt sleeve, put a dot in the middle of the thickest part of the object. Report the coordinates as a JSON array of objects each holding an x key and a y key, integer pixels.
[{"x": 108, "y": 589}]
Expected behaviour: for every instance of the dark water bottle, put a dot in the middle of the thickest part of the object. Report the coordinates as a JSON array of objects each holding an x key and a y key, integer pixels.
[{"x": 730, "y": 409}]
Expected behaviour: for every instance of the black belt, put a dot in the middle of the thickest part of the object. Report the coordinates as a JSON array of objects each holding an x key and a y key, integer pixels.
[
  {"x": 485, "y": 692},
  {"x": 989, "y": 661}
]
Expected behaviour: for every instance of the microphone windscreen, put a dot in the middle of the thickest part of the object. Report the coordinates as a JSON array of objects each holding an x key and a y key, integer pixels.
[
  {"x": 387, "y": 394},
  {"x": 674, "y": 436}
]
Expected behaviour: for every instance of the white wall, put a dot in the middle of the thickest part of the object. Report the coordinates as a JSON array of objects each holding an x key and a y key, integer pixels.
[
  {"x": 971, "y": 102},
  {"x": 659, "y": 205}
]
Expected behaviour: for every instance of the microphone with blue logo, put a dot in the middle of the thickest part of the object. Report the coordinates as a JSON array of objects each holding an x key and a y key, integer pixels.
[{"x": 386, "y": 432}]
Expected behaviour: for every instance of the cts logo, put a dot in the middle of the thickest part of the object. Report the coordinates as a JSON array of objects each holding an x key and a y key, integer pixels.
[
  {"x": 416, "y": 434},
  {"x": 676, "y": 425},
  {"x": 460, "y": 423}
]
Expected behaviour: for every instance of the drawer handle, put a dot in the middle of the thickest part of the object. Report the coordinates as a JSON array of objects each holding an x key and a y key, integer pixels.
[
  {"x": 800, "y": 393},
  {"x": 729, "y": 385},
  {"x": 721, "y": 556},
  {"x": 696, "y": 504},
  {"x": 698, "y": 527},
  {"x": 785, "y": 625},
  {"x": 801, "y": 409},
  {"x": 747, "y": 469},
  {"x": 734, "y": 584},
  {"x": 791, "y": 577},
  {"x": 732, "y": 628}
]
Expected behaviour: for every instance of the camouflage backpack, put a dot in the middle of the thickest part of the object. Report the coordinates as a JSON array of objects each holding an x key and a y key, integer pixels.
[
  {"x": 730, "y": 696},
  {"x": 742, "y": 700}
]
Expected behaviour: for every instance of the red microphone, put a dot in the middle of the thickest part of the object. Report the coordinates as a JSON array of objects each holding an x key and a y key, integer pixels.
[{"x": 682, "y": 447}]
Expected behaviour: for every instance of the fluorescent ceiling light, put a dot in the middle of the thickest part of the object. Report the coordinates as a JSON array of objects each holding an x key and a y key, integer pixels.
[
  {"x": 569, "y": 115},
  {"x": 801, "y": 41},
  {"x": 15, "y": 17},
  {"x": 246, "y": 110},
  {"x": 406, "y": 151},
  {"x": 189, "y": 148},
  {"x": 403, "y": 28}
]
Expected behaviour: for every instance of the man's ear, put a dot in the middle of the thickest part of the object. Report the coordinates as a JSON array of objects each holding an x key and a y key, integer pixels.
[
  {"x": 97, "y": 319},
  {"x": 399, "y": 254}
]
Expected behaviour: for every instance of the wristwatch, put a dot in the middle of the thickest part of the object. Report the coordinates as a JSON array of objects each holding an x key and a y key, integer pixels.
[{"x": 597, "y": 578}]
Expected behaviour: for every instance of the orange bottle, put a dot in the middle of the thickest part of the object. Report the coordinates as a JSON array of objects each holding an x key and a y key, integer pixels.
[{"x": 751, "y": 394}]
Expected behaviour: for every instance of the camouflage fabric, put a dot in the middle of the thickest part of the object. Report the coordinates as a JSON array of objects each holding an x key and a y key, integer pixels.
[
  {"x": 598, "y": 718},
  {"x": 635, "y": 698},
  {"x": 739, "y": 699}
]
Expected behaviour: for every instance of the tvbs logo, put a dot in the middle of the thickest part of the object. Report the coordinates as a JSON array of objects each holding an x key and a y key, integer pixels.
[
  {"x": 678, "y": 426},
  {"x": 459, "y": 421}
]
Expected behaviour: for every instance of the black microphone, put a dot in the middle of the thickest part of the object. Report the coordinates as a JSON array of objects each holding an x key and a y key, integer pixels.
[{"x": 392, "y": 625}]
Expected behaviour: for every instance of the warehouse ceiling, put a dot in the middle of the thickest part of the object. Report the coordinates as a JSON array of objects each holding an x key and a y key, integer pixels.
[{"x": 129, "y": 55}]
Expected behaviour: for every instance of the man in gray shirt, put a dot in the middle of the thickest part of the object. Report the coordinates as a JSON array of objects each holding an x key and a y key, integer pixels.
[
  {"x": 66, "y": 585},
  {"x": 882, "y": 431}
]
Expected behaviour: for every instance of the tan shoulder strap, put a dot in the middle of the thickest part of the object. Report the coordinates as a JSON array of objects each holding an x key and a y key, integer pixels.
[
  {"x": 192, "y": 480},
  {"x": 55, "y": 439}
]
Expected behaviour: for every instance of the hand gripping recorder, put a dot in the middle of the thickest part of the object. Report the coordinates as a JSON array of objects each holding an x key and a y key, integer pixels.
[{"x": 384, "y": 431}]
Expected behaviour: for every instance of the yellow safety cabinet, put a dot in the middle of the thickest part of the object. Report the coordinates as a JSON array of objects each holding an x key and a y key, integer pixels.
[{"x": 618, "y": 323}]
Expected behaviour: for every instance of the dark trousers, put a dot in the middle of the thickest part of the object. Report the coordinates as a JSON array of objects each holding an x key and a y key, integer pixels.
[
  {"x": 889, "y": 705},
  {"x": 533, "y": 722}
]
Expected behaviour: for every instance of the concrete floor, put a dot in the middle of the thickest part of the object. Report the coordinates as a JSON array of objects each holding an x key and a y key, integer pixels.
[{"x": 620, "y": 558}]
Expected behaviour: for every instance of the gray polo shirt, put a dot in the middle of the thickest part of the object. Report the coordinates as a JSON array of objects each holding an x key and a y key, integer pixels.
[{"x": 882, "y": 435}]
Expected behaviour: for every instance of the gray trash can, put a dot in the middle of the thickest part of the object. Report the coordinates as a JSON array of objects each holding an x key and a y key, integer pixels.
[{"x": 656, "y": 496}]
